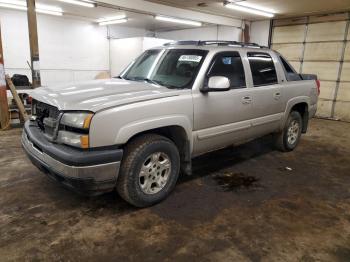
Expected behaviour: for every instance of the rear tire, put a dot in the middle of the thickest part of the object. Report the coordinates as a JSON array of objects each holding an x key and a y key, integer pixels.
[
  {"x": 288, "y": 139},
  {"x": 149, "y": 170}
]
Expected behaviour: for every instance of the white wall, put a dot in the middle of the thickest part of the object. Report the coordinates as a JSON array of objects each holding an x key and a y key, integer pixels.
[
  {"x": 150, "y": 42},
  {"x": 203, "y": 33},
  {"x": 70, "y": 50},
  {"x": 259, "y": 32},
  {"x": 115, "y": 31},
  {"x": 124, "y": 51}
]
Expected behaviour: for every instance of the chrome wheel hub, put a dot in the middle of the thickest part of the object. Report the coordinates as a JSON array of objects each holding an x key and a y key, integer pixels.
[
  {"x": 155, "y": 172},
  {"x": 293, "y": 132}
]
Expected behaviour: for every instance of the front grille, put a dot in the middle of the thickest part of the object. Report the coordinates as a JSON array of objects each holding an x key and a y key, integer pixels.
[{"x": 47, "y": 117}]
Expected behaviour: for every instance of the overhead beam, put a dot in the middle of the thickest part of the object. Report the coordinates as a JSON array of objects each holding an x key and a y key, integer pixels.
[
  {"x": 159, "y": 9},
  {"x": 33, "y": 42}
]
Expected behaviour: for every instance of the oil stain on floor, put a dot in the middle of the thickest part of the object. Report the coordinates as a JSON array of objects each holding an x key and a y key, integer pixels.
[{"x": 236, "y": 181}]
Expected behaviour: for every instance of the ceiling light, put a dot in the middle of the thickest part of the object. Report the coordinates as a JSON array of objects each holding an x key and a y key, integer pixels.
[
  {"x": 81, "y": 3},
  {"x": 257, "y": 7},
  {"x": 21, "y": 5},
  {"x": 41, "y": 11},
  {"x": 119, "y": 21},
  {"x": 111, "y": 18},
  {"x": 14, "y": 2},
  {"x": 177, "y": 20},
  {"x": 48, "y": 8},
  {"x": 13, "y": 6},
  {"x": 249, "y": 10}
]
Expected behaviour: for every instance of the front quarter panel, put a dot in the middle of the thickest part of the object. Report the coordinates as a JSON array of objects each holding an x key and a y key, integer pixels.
[{"x": 115, "y": 126}]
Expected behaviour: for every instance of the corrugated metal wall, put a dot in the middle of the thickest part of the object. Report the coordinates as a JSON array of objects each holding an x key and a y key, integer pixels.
[{"x": 320, "y": 45}]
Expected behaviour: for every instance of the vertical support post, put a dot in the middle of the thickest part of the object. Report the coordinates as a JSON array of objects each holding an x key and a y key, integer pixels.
[
  {"x": 4, "y": 110},
  {"x": 341, "y": 64},
  {"x": 269, "y": 42},
  {"x": 246, "y": 33},
  {"x": 306, "y": 31},
  {"x": 33, "y": 42}
]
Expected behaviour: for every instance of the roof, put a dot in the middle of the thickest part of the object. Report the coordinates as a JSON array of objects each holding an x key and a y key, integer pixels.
[{"x": 215, "y": 43}]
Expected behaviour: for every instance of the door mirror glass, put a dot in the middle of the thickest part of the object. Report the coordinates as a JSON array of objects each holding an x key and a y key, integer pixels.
[{"x": 218, "y": 83}]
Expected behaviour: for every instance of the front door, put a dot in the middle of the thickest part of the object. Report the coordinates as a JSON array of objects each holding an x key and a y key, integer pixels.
[{"x": 221, "y": 118}]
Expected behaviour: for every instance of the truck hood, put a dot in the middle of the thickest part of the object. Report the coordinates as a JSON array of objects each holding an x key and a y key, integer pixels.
[{"x": 100, "y": 94}]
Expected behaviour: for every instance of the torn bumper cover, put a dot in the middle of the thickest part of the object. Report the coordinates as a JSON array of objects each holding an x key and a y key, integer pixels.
[{"x": 90, "y": 172}]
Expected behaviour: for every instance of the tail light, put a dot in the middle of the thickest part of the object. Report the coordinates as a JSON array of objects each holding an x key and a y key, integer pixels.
[{"x": 318, "y": 83}]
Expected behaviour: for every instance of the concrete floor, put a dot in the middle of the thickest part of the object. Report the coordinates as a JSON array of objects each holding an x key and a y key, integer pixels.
[{"x": 242, "y": 204}]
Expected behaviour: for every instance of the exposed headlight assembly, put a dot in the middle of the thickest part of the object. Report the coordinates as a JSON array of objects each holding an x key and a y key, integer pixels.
[{"x": 75, "y": 131}]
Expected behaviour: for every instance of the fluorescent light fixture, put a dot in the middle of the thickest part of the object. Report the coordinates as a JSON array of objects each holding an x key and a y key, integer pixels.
[
  {"x": 177, "y": 20},
  {"x": 48, "y": 9},
  {"x": 119, "y": 21},
  {"x": 14, "y": 2},
  {"x": 248, "y": 10},
  {"x": 257, "y": 7},
  {"x": 47, "y": 12},
  {"x": 24, "y": 8},
  {"x": 81, "y": 3},
  {"x": 111, "y": 18},
  {"x": 40, "y": 8}
]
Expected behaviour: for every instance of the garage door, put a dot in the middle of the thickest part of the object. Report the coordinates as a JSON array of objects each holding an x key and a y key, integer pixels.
[{"x": 319, "y": 45}]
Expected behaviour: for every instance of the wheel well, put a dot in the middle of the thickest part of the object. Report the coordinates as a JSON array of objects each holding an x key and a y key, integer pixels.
[
  {"x": 178, "y": 135},
  {"x": 303, "y": 110}
]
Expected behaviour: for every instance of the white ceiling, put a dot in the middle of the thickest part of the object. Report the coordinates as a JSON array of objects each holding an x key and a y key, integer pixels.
[
  {"x": 145, "y": 21},
  {"x": 283, "y": 8}
]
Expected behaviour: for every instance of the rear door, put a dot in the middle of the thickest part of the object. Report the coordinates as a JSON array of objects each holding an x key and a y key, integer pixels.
[{"x": 267, "y": 96}]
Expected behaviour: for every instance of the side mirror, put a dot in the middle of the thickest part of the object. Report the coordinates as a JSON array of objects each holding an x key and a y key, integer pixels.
[{"x": 217, "y": 84}]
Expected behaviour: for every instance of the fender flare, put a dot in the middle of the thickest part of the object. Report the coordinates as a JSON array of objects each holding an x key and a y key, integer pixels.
[
  {"x": 128, "y": 131},
  {"x": 291, "y": 103}
]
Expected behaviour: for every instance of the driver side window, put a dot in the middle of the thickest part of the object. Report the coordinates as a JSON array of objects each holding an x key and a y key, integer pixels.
[{"x": 229, "y": 64}]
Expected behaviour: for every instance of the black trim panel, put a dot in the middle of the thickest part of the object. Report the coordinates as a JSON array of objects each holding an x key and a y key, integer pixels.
[{"x": 68, "y": 155}]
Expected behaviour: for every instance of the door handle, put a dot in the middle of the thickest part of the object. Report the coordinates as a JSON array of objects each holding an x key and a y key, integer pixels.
[
  {"x": 277, "y": 95},
  {"x": 246, "y": 100}
]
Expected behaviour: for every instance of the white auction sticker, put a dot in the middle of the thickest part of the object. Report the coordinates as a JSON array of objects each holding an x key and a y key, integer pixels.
[{"x": 2, "y": 75}]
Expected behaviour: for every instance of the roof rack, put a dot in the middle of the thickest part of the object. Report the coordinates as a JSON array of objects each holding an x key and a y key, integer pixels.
[{"x": 215, "y": 42}]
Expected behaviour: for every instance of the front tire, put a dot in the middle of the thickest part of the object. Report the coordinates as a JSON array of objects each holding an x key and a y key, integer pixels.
[
  {"x": 149, "y": 170},
  {"x": 288, "y": 139}
]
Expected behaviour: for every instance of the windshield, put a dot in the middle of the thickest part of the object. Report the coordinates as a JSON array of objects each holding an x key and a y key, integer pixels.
[{"x": 173, "y": 68}]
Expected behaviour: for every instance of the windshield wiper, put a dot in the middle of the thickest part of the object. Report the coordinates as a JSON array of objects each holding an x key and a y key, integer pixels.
[
  {"x": 146, "y": 80},
  {"x": 160, "y": 83},
  {"x": 152, "y": 81},
  {"x": 155, "y": 82}
]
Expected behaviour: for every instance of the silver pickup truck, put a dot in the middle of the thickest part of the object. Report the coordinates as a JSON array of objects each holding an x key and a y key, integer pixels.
[{"x": 136, "y": 132}]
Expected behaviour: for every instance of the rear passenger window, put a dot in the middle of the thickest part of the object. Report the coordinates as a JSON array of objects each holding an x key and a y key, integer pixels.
[
  {"x": 229, "y": 64},
  {"x": 291, "y": 74},
  {"x": 286, "y": 66},
  {"x": 263, "y": 69}
]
